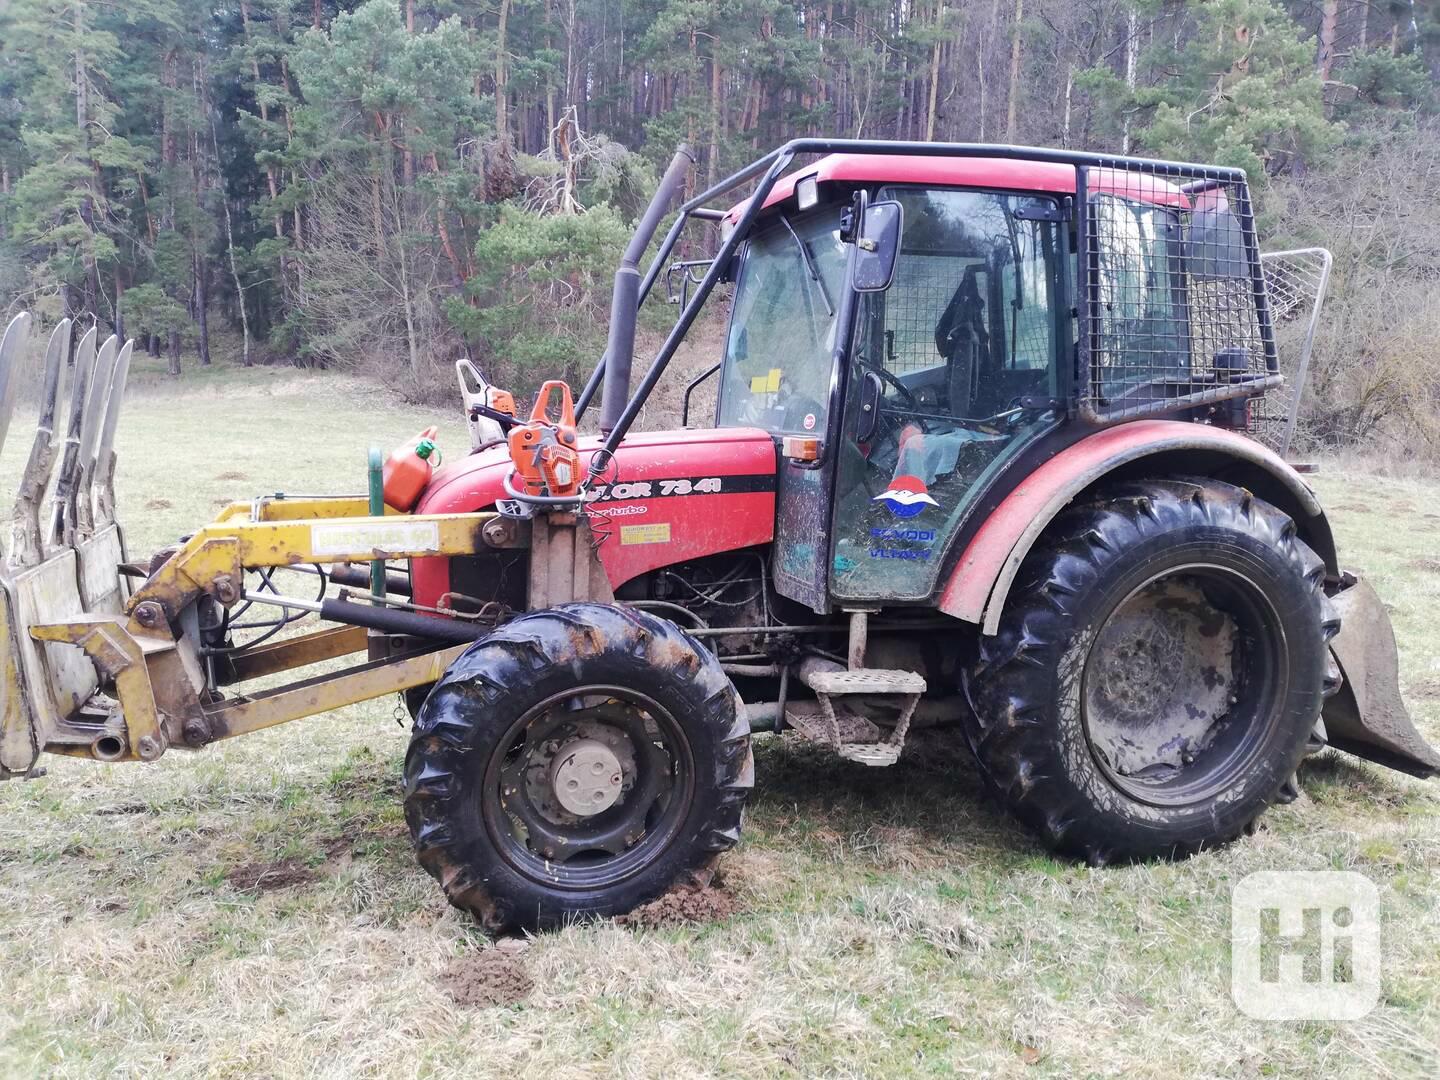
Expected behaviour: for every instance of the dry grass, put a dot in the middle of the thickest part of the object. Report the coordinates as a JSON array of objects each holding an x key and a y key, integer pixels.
[{"x": 255, "y": 909}]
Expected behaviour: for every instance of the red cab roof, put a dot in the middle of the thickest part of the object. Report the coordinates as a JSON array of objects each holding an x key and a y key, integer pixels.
[{"x": 1010, "y": 174}]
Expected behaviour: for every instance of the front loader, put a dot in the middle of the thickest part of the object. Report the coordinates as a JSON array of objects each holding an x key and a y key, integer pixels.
[{"x": 999, "y": 445}]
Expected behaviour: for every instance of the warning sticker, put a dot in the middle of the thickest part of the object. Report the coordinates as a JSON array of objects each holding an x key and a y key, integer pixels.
[
  {"x": 769, "y": 383},
  {"x": 658, "y": 533}
]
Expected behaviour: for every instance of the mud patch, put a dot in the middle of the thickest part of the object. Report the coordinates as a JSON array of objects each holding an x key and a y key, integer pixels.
[
  {"x": 684, "y": 905},
  {"x": 486, "y": 979},
  {"x": 232, "y": 474},
  {"x": 121, "y": 809},
  {"x": 158, "y": 504},
  {"x": 1427, "y": 688},
  {"x": 1431, "y": 565},
  {"x": 269, "y": 876}
]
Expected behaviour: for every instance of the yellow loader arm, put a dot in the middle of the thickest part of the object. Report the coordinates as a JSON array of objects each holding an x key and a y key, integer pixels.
[{"x": 89, "y": 667}]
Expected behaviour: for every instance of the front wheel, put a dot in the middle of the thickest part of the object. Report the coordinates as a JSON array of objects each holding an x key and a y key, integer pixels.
[
  {"x": 577, "y": 761},
  {"x": 1158, "y": 671}
]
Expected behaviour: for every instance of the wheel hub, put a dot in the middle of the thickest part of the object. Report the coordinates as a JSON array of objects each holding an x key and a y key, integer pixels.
[
  {"x": 552, "y": 762},
  {"x": 586, "y": 777},
  {"x": 1160, "y": 679}
]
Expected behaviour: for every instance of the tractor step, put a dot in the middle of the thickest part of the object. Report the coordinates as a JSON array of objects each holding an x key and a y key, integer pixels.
[
  {"x": 852, "y": 737},
  {"x": 866, "y": 681},
  {"x": 860, "y": 740},
  {"x": 813, "y": 725},
  {"x": 870, "y": 753}
]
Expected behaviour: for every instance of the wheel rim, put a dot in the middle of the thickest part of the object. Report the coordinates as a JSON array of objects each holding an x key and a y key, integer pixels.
[
  {"x": 1183, "y": 684},
  {"x": 605, "y": 828}
]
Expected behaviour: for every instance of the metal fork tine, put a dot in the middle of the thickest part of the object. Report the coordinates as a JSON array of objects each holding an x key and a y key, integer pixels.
[
  {"x": 104, "y": 475},
  {"x": 61, "y": 522},
  {"x": 96, "y": 405},
  {"x": 12, "y": 352},
  {"x": 25, "y": 547}
]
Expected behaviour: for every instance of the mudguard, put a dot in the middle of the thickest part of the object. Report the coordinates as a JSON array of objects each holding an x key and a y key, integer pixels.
[
  {"x": 981, "y": 578},
  {"x": 1367, "y": 717}
]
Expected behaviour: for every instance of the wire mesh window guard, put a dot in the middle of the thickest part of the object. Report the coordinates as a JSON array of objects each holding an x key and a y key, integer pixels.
[
  {"x": 1295, "y": 282},
  {"x": 1175, "y": 306},
  {"x": 973, "y": 290}
]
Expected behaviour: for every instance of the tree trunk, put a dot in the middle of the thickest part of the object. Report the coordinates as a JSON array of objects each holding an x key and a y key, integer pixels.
[
  {"x": 502, "y": 118},
  {"x": 202, "y": 305},
  {"x": 82, "y": 77},
  {"x": 1012, "y": 106},
  {"x": 1132, "y": 32},
  {"x": 934, "y": 89},
  {"x": 172, "y": 366},
  {"x": 119, "y": 303},
  {"x": 1069, "y": 93},
  {"x": 234, "y": 266},
  {"x": 1329, "y": 16},
  {"x": 712, "y": 166}
]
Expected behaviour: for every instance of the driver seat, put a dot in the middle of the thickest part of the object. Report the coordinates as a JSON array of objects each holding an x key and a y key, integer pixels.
[{"x": 963, "y": 341}]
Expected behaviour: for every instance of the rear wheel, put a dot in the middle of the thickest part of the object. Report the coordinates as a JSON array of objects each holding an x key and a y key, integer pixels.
[
  {"x": 577, "y": 761},
  {"x": 1157, "y": 674}
]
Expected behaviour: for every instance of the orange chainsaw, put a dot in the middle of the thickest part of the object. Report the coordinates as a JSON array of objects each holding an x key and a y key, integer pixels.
[{"x": 543, "y": 449}]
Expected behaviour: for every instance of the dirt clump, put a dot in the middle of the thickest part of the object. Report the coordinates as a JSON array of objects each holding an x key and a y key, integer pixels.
[
  {"x": 158, "y": 504},
  {"x": 232, "y": 474},
  {"x": 486, "y": 979},
  {"x": 1432, "y": 565},
  {"x": 269, "y": 876},
  {"x": 684, "y": 905}
]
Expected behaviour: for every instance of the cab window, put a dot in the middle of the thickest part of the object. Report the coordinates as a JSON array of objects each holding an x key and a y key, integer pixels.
[
  {"x": 1142, "y": 327},
  {"x": 779, "y": 350}
]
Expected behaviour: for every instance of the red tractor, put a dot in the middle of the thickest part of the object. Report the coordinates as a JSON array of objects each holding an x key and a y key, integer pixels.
[{"x": 997, "y": 443}]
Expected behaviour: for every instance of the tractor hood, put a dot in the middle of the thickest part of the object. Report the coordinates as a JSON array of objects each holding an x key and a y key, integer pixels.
[{"x": 669, "y": 496}]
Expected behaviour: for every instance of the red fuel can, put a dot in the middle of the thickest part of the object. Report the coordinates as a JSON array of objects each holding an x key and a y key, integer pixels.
[{"x": 408, "y": 469}]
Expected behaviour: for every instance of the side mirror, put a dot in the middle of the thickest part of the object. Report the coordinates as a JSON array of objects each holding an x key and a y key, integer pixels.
[{"x": 877, "y": 245}]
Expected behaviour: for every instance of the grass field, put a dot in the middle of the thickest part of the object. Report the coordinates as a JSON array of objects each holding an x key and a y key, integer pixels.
[{"x": 255, "y": 910}]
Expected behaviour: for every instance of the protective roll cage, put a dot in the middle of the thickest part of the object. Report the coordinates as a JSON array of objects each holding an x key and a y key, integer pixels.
[{"x": 1135, "y": 353}]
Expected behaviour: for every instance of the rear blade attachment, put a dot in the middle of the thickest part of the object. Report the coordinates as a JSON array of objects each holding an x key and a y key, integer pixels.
[
  {"x": 1367, "y": 717},
  {"x": 49, "y": 691}
]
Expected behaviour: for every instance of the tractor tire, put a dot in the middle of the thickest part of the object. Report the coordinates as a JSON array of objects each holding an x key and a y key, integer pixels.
[
  {"x": 1157, "y": 674},
  {"x": 531, "y": 723}
]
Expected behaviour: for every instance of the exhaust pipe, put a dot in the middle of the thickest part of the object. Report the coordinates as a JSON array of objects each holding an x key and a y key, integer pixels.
[{"x": 624, "y": 301}]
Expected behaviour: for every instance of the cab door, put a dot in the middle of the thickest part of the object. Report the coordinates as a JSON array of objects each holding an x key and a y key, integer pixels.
[
  {"x": 780, "y": 373},
  {"x": 955, "y": 368}
]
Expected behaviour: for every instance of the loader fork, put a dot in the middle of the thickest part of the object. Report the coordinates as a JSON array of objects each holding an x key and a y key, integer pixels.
[{"x": 61, "y": 563}]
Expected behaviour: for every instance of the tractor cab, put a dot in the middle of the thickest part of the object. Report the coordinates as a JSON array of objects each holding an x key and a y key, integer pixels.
[{"x": 910, "y": 329}]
